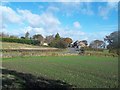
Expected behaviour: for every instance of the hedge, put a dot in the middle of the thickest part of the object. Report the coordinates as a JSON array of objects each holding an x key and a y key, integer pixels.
[
  {"x": 94, "y": 49},
  {"x": 23, "y": 41},
  {"x": 116, "y": 51}
]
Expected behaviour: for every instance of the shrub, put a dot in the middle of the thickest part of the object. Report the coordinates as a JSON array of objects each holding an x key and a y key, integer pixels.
[
  {"x": 115, "y": 51},
  {"x": 23, "y": 41},
  {"x": 93, "y": 49}
]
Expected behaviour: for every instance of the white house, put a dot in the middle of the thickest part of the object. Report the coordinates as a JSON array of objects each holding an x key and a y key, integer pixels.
[{"x": 45, "y": 44}]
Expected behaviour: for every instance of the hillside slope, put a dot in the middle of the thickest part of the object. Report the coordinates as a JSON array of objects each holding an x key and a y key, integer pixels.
[{"x": 8, "y": 45}]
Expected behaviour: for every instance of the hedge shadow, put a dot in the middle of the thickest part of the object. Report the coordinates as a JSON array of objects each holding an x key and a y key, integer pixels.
[{"x": 12, "y": 80}]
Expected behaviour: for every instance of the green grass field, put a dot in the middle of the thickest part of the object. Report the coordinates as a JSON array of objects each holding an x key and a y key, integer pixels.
[{"x": 80, "y": 71}]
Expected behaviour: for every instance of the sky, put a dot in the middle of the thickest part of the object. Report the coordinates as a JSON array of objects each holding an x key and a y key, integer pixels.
[{"x": 77, "y": 20}]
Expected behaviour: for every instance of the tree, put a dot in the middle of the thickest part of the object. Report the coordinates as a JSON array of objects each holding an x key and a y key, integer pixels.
[
  {"x": 57, "y": 36},
  {"x": 49, "y": 39},
  {"x": 61, "y": 44},
  {"x": 58, "y": 43},
  {"x": 22, "y": 37},
  {"x": 68, "y": 40},
  {"x": 113, "y": 42},
  {"x": 97, "y": 44},
  {"x": 39, "y": 37},
  {"x": 26, "y": 35}
]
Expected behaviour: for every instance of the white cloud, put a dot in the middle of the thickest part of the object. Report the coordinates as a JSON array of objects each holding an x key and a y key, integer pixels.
[
  {"x": 52, "y": 9},
  {"x": 69, "y": 8},
  {"x": 9, "y": 15},
  {"x": 1, "y": 25},
  {"x": 49, "y": 19},
  {"x": 21, "y": 16},
  {"x": 104, "y": 11},
  {"x": 64, "y": 32},
  {"x": 74, "y": 34},
  {"x": 46, "y": 23},
  {"x": 35, "y": 20},
  {"x": 26, "y": 29},
  {"x": 77, "y": 24},
  {"x": 87, "y": 9},
  {"x": 93, "y": 36},
  {"x": 32, "y": 19},
  {"x": 15, "y": 32}
]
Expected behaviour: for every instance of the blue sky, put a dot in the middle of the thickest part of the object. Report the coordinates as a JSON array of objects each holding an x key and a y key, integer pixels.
[{"x": 78, "y": 20}]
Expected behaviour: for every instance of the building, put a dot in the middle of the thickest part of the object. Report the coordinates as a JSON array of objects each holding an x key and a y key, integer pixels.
[
  {"x": 79, "y": 44},
  {"x": 45, "y": 44}
]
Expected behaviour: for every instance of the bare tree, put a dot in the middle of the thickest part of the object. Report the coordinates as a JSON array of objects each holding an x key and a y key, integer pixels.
[
  {"x": 49, "y": 39},
  {"x": 26, "y": 35}
]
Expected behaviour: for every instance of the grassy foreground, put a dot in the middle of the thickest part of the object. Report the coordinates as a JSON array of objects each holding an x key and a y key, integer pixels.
[{"x": 80, "y": 71}]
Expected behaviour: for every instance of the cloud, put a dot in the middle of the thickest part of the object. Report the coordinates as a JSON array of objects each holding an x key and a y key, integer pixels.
[
  {"x": 52, "y": 9},
  {"x": 50, "y": 20},
  {"x": 32, "y": 19},
  {"x": 64, "y": 32},
  {"x": 35, "y": 23},
  {"x": 74, "y": 34},
  {"x": 1, "y": 20},
  {"x": 87, "y": 9},
  {"x": 46, "y": 19},
  {"x": 47, "y": 23},
  {"x": 69, "y": 8},
  {"x": 93, "y": 36},
  {"x": 104, "y": 11},
  {"x": 77, "y": 24},
  {"x": 16, "y": 32},
  {"x": 9, "y": 15}
]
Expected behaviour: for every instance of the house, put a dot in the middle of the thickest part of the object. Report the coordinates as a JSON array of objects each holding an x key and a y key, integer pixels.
[
  {"x": 79, "y": 44},
  {"x": 82, "y": 44},
  {"x": 45, "y": 44}
]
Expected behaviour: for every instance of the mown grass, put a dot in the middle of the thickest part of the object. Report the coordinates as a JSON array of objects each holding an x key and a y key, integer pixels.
[{"x": 80, "y": 71}]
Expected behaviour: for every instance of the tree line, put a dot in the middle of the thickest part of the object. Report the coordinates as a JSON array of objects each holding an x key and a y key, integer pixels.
[
  {"x": 60, "y": 42},
  {"x": 38, "y": 39}
]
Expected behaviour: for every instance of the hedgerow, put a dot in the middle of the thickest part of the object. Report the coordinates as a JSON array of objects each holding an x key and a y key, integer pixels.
[{"x": 23, "y": 41}]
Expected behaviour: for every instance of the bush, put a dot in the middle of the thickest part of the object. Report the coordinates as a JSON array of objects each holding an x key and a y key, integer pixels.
[
  {"x": 115, "y": 51},
  {"x": 23, "y": 41},
  {"x": 93, "y": 49}
]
